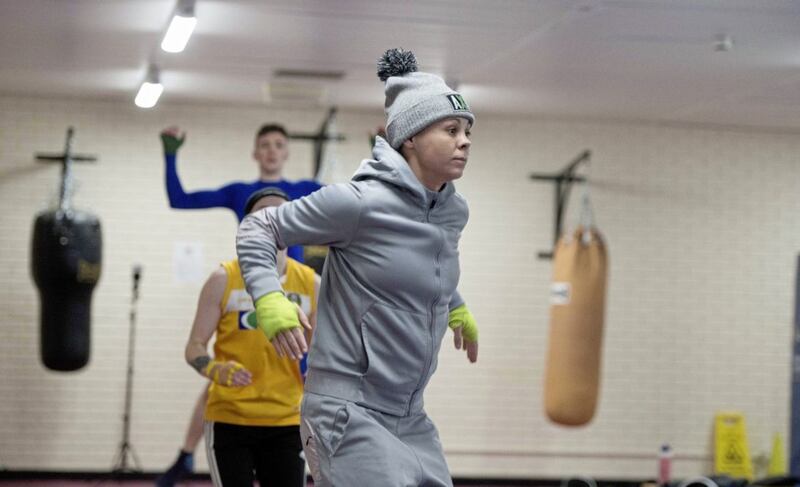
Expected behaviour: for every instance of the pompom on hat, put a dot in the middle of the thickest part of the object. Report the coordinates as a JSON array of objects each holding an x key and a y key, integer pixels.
[{"x": 415, "y": 99}]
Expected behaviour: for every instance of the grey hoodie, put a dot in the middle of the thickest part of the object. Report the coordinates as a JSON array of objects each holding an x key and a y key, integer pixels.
[{"x": 388, "y": 283}]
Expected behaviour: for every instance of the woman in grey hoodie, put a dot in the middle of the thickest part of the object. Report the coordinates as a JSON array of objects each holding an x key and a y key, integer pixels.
[{"x": 388, "y": 289}]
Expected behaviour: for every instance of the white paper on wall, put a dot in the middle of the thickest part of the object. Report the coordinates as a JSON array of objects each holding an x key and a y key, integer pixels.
[{"x": 187, "y": 262}]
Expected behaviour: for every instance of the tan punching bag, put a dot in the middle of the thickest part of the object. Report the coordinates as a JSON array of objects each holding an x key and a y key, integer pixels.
[{"x": 572, "y": 371}]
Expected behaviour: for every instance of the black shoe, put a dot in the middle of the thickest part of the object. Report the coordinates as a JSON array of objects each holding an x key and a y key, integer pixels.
[{"x": 183, "y": 467}]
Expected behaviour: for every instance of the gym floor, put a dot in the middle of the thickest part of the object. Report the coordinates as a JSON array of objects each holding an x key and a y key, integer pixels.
[
  {"x": 40, "y": 479},
  {"x": 188, "y": 483}
]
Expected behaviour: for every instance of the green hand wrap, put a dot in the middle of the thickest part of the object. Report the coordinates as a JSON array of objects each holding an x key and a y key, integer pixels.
[
  {"x": 171, "y": 143},
  {"x": 461, "y": 317},
  {"x": 275, "y": 313}
]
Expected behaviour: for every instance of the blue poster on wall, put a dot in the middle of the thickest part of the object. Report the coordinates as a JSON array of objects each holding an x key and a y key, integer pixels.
[{"x": 794, "y": 467}]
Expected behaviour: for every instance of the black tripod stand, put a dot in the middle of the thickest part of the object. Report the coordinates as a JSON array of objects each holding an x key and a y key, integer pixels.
[{"x": 125, "y": 448}]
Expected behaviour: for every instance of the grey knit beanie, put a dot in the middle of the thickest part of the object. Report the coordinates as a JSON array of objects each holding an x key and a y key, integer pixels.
[{"x": 414, "y": 99}]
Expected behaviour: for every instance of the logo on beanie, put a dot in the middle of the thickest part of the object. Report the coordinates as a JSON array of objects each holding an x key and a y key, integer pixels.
[{"x": 458, "y": 102}]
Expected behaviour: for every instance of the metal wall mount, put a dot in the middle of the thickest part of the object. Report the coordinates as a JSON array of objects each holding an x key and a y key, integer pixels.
[
  {"x": 562, "y": 184},
  {"x": 319, "y": 138},
  {"x": 66, "y": 159}
]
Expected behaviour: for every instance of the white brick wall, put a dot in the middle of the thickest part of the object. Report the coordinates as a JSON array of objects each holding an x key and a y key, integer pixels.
[{"x": 703, "y": 226}]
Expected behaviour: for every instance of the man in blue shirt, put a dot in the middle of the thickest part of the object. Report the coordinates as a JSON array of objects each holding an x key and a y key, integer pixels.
[{"x": 270, "y": 152}]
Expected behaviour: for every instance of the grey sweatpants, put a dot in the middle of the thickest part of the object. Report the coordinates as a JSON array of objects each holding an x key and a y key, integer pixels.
[{"x": 347, "y": 445}]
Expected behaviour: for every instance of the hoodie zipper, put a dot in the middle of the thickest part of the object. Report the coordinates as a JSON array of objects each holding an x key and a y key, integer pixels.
[{"x": 432, "y": 322}]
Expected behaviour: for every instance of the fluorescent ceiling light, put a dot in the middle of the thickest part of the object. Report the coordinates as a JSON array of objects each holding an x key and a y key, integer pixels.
[
  {"x": 180, "y": 28},
  {"x": 150, "y": 90},
  {"x": 148, "y": 94}
]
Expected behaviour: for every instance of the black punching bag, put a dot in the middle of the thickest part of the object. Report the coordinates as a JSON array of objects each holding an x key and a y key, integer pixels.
[{"x": 66, "y": 262}]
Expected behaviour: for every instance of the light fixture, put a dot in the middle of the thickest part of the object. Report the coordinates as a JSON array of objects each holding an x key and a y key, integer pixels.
[
  {"x": 180, "y": 27},
  {"x": 150, "y": 90}
]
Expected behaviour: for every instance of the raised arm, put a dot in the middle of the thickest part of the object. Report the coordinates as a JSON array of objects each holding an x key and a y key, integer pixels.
[
  {"x": 327, "y": 217},
  {"x": 171, "y": 140}
]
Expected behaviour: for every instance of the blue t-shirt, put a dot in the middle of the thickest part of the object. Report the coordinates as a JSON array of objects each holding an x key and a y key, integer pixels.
[{"x": 232, "y": 196}]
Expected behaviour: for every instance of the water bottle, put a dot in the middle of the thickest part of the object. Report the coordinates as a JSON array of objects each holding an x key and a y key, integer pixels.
[{"x": 664, "y": 464}]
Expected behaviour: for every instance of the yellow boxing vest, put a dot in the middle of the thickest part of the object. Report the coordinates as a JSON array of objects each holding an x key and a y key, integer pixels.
[{"x": 273, "y": 398}]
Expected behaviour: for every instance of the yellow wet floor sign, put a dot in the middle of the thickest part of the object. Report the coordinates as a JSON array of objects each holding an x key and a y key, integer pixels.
[
  {"x": 777, "y": 461},
  {"x": 731, "y": 452}
]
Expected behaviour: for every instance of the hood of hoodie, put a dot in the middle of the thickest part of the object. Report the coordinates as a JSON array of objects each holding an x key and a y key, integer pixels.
[{"x": 389, "y": 166}]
